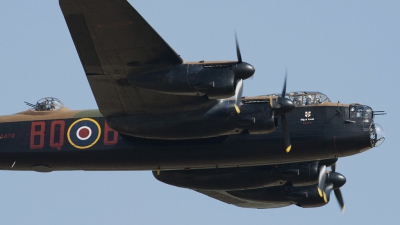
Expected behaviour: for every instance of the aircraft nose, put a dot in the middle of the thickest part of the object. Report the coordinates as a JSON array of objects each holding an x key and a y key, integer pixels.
[
  {"x": 243, "y": 70},
  {"x": 377, "y": 135}
]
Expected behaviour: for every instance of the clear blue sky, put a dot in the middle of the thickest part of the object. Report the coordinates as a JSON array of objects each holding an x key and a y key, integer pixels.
[{"x": 348, "y": 50}]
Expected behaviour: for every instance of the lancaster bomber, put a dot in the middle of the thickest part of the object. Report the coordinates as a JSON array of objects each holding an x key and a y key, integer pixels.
[{"x": 186, "y": 121}]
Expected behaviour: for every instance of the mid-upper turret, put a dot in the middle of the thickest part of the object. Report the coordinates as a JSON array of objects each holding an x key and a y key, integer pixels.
[{"x": 47, "y": 104}]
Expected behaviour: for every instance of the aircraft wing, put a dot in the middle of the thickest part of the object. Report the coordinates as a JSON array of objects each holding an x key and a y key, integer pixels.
[
  {"x": 229, "y": 199},
  {"x": 113, "y": 41}
]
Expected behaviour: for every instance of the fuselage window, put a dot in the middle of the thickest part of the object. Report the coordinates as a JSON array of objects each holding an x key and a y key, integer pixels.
[
  {"x": 367, "y": 113},
  {"x": 355, "y": 112}
]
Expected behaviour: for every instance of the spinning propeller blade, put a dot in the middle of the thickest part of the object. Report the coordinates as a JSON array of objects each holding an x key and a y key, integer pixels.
[
  {"x": 339, "y": 197},
  {"x": 238, "y": 95},
  {"x": 280, "y": 107},
  {"x": 285, "y": 126},
  {"x": 284, "y": 86},
  {"x": 334, "y": 166},
  {"x": 286, "y": 136},
  {"x": 239, "y": 56},
  {"x": 242, "y": 71},
  {"x": 321, "y": 181}
]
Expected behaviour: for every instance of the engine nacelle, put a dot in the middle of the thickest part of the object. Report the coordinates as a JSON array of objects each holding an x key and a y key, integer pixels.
[
  {"x": 298, "y": 174},
  {"x": 214, "y": 80},
  {"x": 306, "y": 197},
  {"x": 211, "y": 121}
]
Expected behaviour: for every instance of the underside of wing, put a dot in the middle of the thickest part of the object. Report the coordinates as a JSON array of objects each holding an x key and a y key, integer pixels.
[
  {"x": 229, "y": 199},
  {"x": 114, "y": 41}
]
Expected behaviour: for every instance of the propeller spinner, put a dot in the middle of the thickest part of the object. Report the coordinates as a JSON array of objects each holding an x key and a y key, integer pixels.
[
  {"x": 242, "y": 71},
  {"x": 280, "y": 107},
  {"x": 328, "y": 181}
]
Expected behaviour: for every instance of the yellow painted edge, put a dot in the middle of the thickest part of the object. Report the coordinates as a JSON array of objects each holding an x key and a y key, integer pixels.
[
  {"x": 270, "y": 101},
  {"x": 237, "y": 109},
  {"x": 288, "y": 148},
  {"x": 325, "y": 198},
  {"x": 319, "y": 192}
]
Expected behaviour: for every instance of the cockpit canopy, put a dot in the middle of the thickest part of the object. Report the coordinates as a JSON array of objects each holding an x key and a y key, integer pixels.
[
  {"x": 47, "y": 104},
  {"x": 301, "y": 98}
]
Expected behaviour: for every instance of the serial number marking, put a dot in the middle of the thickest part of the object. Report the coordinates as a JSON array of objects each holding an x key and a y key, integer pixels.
[{"x": 7, "y": 136}]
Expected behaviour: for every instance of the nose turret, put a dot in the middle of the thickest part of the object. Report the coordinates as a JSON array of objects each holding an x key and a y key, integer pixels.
[{"x": 377, "y": 135}]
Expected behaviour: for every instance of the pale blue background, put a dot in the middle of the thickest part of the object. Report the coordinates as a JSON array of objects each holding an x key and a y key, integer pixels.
[{"x": 348, "y": 50}]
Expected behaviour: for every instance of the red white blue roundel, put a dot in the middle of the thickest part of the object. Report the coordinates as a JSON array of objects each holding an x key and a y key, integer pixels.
[{"x": 84, "y": 133}]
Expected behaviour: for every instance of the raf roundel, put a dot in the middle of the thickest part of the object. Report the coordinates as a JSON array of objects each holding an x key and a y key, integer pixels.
[{"x": 84, "y": 133}]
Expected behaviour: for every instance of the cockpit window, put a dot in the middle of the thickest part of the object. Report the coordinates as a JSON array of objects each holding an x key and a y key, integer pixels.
[
  {"x": 304, "y": 98},
  {"x": 355, "y": 112}
]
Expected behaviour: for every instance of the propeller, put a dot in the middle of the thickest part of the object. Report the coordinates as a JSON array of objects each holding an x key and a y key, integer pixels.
[
  {"x": 334, "y": 166},
  {"x": 328, "y": 181},
  {"x": 280, "y": 107},
  {"x": 242, "y": 71},
  {"x": 238, "y": 95},
  {"x": 239, "y": 56},
  {"x": 321, "y": 182},
  {"x": 339, "y": 197}
]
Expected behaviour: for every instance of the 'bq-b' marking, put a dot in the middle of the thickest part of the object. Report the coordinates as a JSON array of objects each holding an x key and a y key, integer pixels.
[{"x": 81, "y": 134}]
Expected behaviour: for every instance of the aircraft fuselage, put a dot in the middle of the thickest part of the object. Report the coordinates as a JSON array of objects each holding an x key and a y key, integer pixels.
[{"x": 81, "y": 140}]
